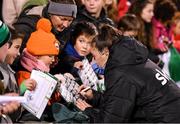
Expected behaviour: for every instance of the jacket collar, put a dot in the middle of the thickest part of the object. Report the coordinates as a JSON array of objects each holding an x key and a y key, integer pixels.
[{"x": 69, "y": 49}]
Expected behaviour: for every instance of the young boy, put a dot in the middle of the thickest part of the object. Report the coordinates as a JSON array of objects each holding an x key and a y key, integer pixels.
[
  {"x": 10, "y": 83},
  {"x": 4, "y": 45},
  {"x": 93, "y": 11},
  {"x": 40, "y": 51},
  {"x": 76, "y": 49}
]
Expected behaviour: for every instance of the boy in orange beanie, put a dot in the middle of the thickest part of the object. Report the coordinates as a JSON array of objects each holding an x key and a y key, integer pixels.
[
  {"x": 40, "y": 52},
  {"x": 41, "y": 48}
]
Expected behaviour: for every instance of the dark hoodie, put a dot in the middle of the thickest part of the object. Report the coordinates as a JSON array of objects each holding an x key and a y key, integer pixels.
[
  {"x": 136, "y": 89},
  {"x": 84, "y": 15}
]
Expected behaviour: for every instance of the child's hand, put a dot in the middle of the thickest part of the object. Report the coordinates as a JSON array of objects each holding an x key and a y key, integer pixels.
[
  {"x": 30, "y": 84},
  {"x": 78, "y": 65},
  {"x": 82, "y": 105},
  {"x": 164, "y": 49},
  {"x": 69, "y": 75},
  {"x": 60, "y": 77},
  {"x": 165, "y": 42}
]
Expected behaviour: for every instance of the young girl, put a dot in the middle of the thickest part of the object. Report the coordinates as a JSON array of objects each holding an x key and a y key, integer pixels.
[
  {"x": 77, "y": 48},
  {"x": 144, "y": 12},
  {"x": 162, "y": 29},
  {"x": 162, "y": 24}
]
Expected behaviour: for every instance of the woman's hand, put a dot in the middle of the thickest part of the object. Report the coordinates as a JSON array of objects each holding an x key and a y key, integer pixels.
[
  {"x": 82, "y": 104},
  {"x": 86, "y": 94}
]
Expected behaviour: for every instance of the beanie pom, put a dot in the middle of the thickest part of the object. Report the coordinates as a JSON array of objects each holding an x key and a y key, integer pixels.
[{"x": 44, "y": 24}]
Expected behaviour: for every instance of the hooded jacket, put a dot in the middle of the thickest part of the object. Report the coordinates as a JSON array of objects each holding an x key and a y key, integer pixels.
[
  {"x": 136, "y": 89},
  {"x": 27, "y": 23},
  {"x": 84, "y": 15},
  {"x": 67, "y": 58}
]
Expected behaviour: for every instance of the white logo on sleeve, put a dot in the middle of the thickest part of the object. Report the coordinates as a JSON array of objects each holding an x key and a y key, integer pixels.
[{"x": 161, "y": 76}]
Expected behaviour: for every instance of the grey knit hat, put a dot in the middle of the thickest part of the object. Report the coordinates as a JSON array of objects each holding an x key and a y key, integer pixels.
[{"x": 62, "y": 9}]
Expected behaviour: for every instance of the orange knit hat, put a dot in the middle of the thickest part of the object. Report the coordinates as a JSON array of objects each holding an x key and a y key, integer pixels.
[{"x": 42, "y": 41}]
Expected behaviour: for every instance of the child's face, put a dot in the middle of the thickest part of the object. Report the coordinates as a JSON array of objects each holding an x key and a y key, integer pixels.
[
  {"x": 13, "y": 51},
  {"x": 83, "y": 45},
  {"x": 94, "y": 6},
  {"x": 100, "y": 57},
  {"x": 61, "y": 22},
  {"x": 47, "y": 59},
  {"x": 177, "y": 28},
  {"x": 147, "y": 13}
]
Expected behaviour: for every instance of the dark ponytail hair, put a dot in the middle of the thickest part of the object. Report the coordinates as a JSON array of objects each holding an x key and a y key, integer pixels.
[{"x": 107, "y": 36}]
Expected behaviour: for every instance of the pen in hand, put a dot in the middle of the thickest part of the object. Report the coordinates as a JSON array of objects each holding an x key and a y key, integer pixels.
[{"x": 85, "y": 89}]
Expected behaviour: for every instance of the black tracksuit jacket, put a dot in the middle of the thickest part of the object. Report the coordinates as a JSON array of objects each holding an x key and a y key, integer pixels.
[{"x": 136, "y": 89}]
